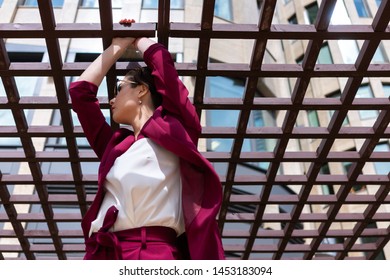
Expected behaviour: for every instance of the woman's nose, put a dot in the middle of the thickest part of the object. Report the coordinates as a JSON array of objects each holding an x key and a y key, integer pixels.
[{"x": 112, "y": 101}]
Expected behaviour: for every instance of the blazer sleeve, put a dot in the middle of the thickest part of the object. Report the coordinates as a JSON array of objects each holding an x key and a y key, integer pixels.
[
  {"x": 173, "y": 91},
  {"x": 87, "y": 107}
]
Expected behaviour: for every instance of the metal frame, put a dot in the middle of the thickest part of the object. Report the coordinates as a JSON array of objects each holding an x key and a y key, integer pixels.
[{"x": 206, "y": 31}]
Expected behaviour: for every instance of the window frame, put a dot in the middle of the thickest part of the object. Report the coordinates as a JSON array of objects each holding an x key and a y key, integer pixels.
[
  {"x": 362, "y": 8},
  {"x": 229, "y": 10}
]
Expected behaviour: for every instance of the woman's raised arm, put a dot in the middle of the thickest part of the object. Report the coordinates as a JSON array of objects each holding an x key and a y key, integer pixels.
[
  {"x": 83, "y": 93},
  {"x": 97, "y": 70},
  {"x": 168, "y": 84}
]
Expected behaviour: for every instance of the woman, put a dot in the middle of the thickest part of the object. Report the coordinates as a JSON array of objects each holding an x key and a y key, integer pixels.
[{"x": 157, "y": 196}]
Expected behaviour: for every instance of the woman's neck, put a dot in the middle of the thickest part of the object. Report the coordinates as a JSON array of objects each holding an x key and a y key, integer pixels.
[{"x": 144, "y": 115}]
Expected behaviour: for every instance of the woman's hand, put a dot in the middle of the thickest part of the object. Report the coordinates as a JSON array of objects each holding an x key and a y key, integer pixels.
[
  {"x": 126, "y": 21},
  {"x": 125, "y": 41},
  {"x": 97, "y": 70}
]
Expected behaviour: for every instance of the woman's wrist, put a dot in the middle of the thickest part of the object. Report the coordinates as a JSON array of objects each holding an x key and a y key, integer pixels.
[{"x": 123, "y": 43}]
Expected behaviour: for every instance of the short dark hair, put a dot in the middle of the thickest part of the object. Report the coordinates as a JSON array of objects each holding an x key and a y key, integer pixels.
[{"x": 143, "y": 75}]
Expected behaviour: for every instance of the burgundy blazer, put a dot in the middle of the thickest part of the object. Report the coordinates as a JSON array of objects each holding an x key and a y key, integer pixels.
[{"x": 175, "y": 126}]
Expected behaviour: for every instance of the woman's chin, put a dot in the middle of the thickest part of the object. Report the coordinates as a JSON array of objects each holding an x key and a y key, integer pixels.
[
  {"x": 115, "y": 119},
  {"x": 119, "y": 120}
]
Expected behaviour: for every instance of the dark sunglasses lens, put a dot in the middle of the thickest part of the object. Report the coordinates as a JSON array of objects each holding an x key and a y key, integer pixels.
[{"x": 118, "y": 87}]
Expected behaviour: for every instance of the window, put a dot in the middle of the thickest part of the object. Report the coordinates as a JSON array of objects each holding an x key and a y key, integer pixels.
[
  {"x": 365, "y": 91},
  {"x": 310, "y": 13},
  {"x": 386, "y": 89},
  {"x": 337, "y": 94},
  {"x": 361, "y": 8},
  {"x": 326, "y": 189},
  {"x": 222, "y": 87},
  {"x": 153, "y": 4},
  {"x": 223, "y": 9},
  {"x": 1, "y": 2},
  {"x": 382, "y": 167},
  {"x": 293, "y": 19},
  {"x": 378, "y": 2},
  {"x": 95, "y": 3},
  {"x": 313, "y": 118},
  {"x": 346, "y": 167},
  {"x": 325, "y": 57},
  {"x": 379, "y": 56},
  {"x": 90, "y": 3},
  {"x": 348, "y": 48},
  {"x": 34, "y": 3}
]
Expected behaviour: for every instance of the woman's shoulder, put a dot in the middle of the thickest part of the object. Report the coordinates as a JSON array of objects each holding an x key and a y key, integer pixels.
[
  {"x": 83, "y": 85},
  {"x": 122, "y": 132}
]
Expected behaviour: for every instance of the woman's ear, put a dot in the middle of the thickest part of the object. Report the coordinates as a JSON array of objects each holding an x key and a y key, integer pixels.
[{"x": 143, "y": 90}]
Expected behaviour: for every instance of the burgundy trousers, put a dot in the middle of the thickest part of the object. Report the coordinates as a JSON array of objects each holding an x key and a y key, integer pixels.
[{"x": 145, "y": 243}]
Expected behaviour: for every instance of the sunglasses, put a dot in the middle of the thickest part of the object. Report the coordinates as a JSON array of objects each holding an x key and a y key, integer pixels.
[{"x": 120, "y": 83}]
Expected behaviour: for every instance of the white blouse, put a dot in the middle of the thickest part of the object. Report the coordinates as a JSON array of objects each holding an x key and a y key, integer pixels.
[{"x": 144, "y": 185}]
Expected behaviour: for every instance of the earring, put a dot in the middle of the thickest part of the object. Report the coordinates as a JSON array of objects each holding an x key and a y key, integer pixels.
[{"x": 139, "y": 101}]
